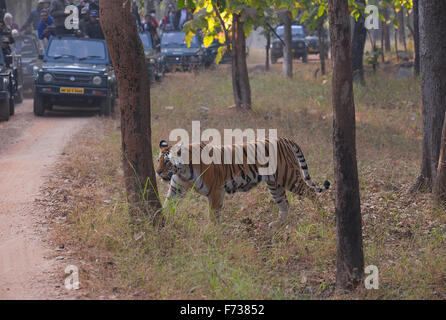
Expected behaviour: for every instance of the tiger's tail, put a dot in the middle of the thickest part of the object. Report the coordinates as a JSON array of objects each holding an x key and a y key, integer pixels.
[{"x": 304, "y": 169}]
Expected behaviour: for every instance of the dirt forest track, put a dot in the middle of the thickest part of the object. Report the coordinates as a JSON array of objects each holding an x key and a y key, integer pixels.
[{"x": 29, "y": 148}]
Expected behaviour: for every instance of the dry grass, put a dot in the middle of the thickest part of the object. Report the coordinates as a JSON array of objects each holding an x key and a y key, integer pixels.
[{"x": 405, "y": 236}]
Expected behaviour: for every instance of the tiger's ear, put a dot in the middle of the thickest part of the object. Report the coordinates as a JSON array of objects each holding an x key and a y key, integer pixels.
[
  {"x": 176, "y": 153},
  {"x": 163, "y": 144}
]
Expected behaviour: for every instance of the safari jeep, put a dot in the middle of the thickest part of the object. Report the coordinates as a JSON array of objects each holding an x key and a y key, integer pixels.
[
  {"x": 75, "y": 72},
  {"x": 11, "y": 84}
]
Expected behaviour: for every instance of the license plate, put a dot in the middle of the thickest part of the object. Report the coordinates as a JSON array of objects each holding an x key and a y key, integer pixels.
[{"x": 72, "y": 90}]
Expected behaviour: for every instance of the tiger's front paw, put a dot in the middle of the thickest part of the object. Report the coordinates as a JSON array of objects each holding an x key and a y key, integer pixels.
[{"x": 276, "y": 224}]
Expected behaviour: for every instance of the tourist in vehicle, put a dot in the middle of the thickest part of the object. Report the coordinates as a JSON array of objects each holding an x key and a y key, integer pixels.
[
  {"x": 84, "y": 19},
  {"x": 168, "y": 22},
  {"x": 151, "y": 25},
  {"x": 5, "y": 31},
  {"x": 6, "y": 49},
  {"x": 33, "y": 19},
  {"x": 46, "y": 27},
  {"x": 9, "y": 21},
  {"x": 93, "y": 5},
  {"x": 93, "y": 27},
  {"x": 57, "y": 12},
  {"x": 28, "y": 30},
  {"x": 183, "y": 16}
]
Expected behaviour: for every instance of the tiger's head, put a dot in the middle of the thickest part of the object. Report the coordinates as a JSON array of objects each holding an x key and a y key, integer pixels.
[{"x": 169, "y": 160}]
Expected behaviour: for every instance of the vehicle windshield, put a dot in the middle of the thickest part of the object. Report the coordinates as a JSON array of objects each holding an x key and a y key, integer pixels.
[
  {"x": 176, "y": 39},
  {"x": 26, "y": 47},
  {"x": 146, "y": 41},
  {"x": 296, "y": 31},
  {"x": 77, "y": 49}
]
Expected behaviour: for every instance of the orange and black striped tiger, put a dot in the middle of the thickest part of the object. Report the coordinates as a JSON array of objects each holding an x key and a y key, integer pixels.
[{"x": 215, "y": 180}]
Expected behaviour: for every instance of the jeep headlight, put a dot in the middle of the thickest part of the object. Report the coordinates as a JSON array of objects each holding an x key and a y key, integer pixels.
[
  {"x": 47, "y": 77},
  {"x": 97, "y": 80}
]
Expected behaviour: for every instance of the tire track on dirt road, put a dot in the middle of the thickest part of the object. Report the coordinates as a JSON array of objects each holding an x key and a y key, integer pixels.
[{"x": 29, "y": 148}]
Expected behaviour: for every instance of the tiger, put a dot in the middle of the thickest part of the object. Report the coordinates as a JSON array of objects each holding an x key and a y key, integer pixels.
[{"x": 215, "y": 180}]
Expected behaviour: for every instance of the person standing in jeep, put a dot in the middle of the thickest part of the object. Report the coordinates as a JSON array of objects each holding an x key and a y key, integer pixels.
[{"x": 57, "y": 11}]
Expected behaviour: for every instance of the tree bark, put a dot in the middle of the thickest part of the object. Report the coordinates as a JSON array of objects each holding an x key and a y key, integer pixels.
[
  {"x": 240, "y": 79},
  {"x": 433, "y": 88},
  {"x": 350, "y": 258},
  {"x": 386, "y": 30},
  {"x": 288, "y": 47},
  {"x": 416, "y": 36},
  {"x": 131, "y": 69},
  {"x": 402, "y": 28},
  {"x": 268, "y": 44},
  {"x": 358, "y": 44}
]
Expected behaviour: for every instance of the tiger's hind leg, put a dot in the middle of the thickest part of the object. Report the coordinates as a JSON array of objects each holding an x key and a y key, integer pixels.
[
  {"x": 279, "y": 195},
  {"x": 215, "y": 199}
]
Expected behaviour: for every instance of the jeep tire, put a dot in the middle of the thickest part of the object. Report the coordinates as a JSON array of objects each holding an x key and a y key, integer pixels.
[
  {"x": 5, "y": 109},
  {"x": 106, "y": 107},
  {"x": 39, "y": 105},
  {"x": 11, "y": 106},
  {"x": 273, "y": 59},
  {"x": 19, "y": 97}
]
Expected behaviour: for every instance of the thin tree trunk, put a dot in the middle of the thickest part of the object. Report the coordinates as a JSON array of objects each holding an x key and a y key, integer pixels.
[
  {"x": 240, "y": 79},
  {"x": 350, "y": 258},
  {"x": 383, "y": 58},
  {"x": 386, "y": 30},
  {"x": 416, "y": 36},
  {"x": 268, "y": 44},
  {"x": 320, "y": 33},
  {"x": 433, "y": 88},
  {"x": 373, "y": 44},
  {"x": 358, "y": 45},
  {"x": 127, "y": 54},
  {"x": 402, "y": 28},
  {"x": 288, "y": 47}
]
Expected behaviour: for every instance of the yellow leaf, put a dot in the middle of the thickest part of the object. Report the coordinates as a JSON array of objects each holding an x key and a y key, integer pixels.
[{"x": 207, "y": 41}]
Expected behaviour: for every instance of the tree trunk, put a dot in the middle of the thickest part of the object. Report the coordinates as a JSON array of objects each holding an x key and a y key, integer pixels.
[
  {"x": 433, "y": 88},
  {"x": 386, "y": 30},
  {"x": 127, "y": 54},
  {"x": 402, "y": 28},
  {"x": 350, "y": 258},
  {"x": 288, "y": 47},
  {"x": 320, "y": 33},
  {"x": 358, "y": 44},
  {"x": 416, "y": 36},
  {"x": 268, "y": 44},
  {"x": 240, "y": 79}
]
